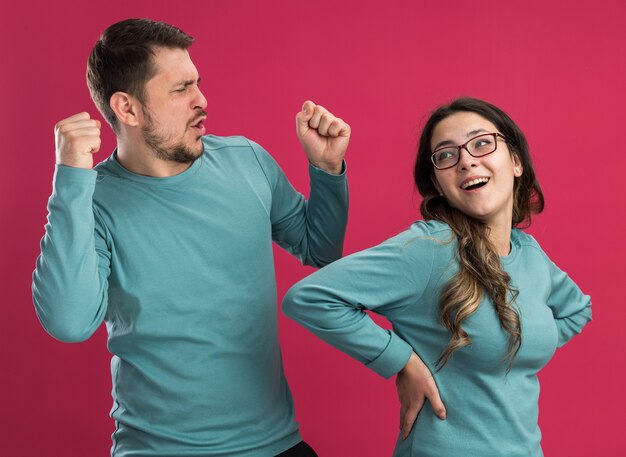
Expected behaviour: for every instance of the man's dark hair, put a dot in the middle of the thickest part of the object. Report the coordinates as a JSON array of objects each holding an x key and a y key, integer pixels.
[{"x": 122, "y": 60}]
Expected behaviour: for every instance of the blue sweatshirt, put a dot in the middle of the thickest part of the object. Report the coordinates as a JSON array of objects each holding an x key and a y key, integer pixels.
[
  {"x": 489, "y": 413},
  {"x": 181, "y": 271}
]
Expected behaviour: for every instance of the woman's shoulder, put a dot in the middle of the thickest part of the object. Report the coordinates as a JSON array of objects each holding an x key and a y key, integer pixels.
[
  {"x": 522, "y": 239},
  {"x": 423, "y": 235},
  {"x": 530, "y": 252},
  {"x": 430, "y": 228}
]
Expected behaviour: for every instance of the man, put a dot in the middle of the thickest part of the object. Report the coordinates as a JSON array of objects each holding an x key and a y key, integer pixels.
[{"x": 169, "y": 242}]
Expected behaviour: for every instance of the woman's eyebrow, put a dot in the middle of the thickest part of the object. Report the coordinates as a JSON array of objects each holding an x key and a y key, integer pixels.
[{"x": 450, "y": 143}]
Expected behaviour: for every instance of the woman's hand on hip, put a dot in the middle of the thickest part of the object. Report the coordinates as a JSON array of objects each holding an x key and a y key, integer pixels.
[{"x": 415, "y": 384}]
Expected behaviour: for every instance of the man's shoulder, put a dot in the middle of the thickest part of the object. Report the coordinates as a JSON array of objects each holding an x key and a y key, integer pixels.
[
  {"x": 239, "y": 150},
  {"x": 214, "y": 142},
  {"x": 106, "y": 167}
]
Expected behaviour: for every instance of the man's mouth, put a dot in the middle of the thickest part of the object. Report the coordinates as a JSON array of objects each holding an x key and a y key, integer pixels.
[
  {"x": 475, "y": 183},
  {"x": 199, "y": 125}
]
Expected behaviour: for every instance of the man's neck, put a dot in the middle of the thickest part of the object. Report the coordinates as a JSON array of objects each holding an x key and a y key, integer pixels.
[{"x": 140, "y": 159}]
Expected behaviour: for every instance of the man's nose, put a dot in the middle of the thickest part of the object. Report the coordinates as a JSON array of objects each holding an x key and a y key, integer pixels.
[{"x": 199, "y": 100}]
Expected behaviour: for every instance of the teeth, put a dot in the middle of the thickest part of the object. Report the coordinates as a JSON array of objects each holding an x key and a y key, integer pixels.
[{"x": 473, "y": 182}]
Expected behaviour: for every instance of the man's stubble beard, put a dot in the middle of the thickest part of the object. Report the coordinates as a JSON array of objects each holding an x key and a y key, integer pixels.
[{"x": 176, "y": 152}]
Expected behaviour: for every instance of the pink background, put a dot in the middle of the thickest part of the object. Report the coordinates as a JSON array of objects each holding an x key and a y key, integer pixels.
[{"x": 558, "y": 68}]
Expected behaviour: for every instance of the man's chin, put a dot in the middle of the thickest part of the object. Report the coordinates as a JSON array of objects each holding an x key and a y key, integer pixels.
[
  {"x": 185, "y": 154},
  {"x": 200, "y": 150}
]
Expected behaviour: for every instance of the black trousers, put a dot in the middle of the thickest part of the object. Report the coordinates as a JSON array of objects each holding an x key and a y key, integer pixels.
[{"x": 299, "y": 450}]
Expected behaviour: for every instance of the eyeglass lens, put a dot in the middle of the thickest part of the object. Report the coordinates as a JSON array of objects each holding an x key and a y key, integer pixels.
[{"x": 477, "y": 147}]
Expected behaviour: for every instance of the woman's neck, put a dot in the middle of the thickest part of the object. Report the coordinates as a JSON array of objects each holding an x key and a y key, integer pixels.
[{"x": 500, "y": 237}]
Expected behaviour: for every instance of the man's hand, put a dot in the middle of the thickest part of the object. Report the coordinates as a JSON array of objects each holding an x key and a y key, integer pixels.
[
  {"x": 415, "y": 384},
  {"x": 323, "y": 136},
  {"x": 77, "y": 138}
]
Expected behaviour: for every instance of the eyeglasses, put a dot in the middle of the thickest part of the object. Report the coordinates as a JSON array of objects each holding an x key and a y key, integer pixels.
[{"x": 479, "y": 146}]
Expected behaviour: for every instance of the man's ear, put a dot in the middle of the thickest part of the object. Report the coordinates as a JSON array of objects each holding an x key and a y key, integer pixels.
[{"x": 127, "y": 108}]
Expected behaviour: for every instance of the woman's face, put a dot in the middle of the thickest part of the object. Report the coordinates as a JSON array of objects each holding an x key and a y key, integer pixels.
[{"x": 481, "y": 187}]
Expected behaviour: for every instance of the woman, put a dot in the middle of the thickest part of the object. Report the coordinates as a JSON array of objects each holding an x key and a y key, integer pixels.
[{"x": 476, "y": 305}]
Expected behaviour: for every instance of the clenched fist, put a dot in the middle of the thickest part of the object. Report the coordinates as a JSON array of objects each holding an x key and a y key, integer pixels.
[
  {"x": 323, "y": 136},
  {"x": 77, "y": 139}
]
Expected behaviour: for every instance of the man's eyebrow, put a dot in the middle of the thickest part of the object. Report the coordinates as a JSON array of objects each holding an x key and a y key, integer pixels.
[
  {"x": 187, "y": 82},
  {"x": 450, "y": 143}
]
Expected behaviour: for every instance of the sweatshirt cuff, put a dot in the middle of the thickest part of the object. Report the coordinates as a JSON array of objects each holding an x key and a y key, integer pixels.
[
  {"x": 64, "y": 173},
  {"x": 318, "y": 173},
  {"x": 393, "y": 358}
]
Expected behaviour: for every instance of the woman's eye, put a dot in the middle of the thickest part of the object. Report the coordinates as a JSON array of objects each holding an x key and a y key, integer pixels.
[
  {"x": 444, "y": 155},
  {"x": 483, "y": 143}
]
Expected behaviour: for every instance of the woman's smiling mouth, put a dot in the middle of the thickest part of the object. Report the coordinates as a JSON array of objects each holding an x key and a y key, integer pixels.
[{"x": 474, "y": 183}]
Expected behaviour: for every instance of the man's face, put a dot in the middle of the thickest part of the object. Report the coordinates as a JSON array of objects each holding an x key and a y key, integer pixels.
[{"x": 174, "y": 108}]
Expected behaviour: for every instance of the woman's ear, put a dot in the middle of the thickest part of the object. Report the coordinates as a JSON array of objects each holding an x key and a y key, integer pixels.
[{"x": 518, "y": 169}]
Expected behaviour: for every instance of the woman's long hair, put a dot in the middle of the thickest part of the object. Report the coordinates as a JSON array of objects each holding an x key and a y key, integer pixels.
[{"x": 480, "y": 270}]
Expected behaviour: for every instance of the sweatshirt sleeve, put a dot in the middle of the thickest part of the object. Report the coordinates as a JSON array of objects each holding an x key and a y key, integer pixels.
[
  {"x": 332, "y": 302},
  {"x": 570, "y": 307},
  {"x": 311, "y": 230},
  {"x": 70, "y": 279}
]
